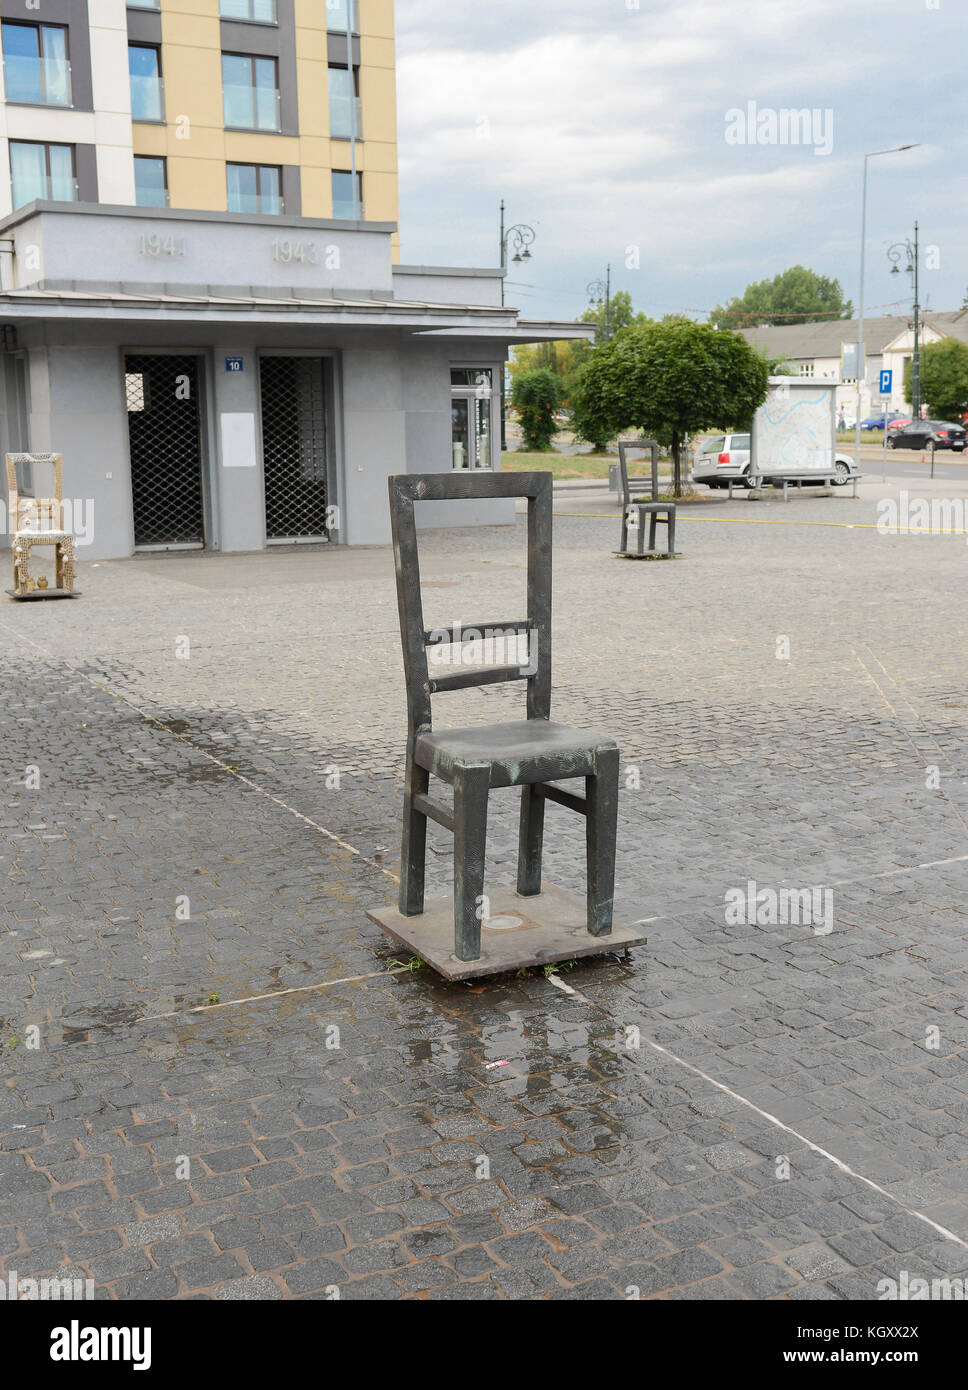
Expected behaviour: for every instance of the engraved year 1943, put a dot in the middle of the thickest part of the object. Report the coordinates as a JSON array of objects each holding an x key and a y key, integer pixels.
[{"x": 288, "y": 251}]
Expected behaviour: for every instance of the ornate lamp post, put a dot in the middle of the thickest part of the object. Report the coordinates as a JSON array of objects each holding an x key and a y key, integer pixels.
[
  {"x": 909, "y": 252},
  {"x": 521, "y": 236},
  {"x": 861, "y": 366},
  {"x": 600, "y": 290}
]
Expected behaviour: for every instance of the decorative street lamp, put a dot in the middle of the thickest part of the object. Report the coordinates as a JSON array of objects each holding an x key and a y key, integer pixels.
[
  {"x": 521, "y": 236},
  {"x": 861, "y": 368},
  {"x": 600, "y": 290},
  {"x": 909, "y": 251}
]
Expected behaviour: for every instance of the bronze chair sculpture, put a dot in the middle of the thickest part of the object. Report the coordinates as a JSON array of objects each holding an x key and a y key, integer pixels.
[
  {"x": 640, "y": 499},
  {"x": 532, "y": 753}
]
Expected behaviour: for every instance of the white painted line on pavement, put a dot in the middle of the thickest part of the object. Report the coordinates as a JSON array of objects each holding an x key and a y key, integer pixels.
[{"x": 787, "y": 1129}]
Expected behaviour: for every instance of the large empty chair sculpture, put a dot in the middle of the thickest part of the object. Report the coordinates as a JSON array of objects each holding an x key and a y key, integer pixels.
[
  {"x": 640, "y": 499},
  {"x": 530, "y": 753},
  {"x": 38, "y": 521}
]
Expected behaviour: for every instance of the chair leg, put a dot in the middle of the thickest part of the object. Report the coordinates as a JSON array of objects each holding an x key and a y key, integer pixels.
[
  {"x": 530, "y": 842},
  {"x": 624, "y": 542},
  {"x": 413, "y": 850},
  {"x": 652, "y": 525},
  {"x": 601, "y": 825},
  {"x": 471, "y": 786}
]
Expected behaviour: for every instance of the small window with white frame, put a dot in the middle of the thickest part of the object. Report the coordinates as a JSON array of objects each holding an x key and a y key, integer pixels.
[{"x": 472, "y": 401}]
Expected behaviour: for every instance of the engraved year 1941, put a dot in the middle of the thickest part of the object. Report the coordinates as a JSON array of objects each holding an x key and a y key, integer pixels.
[{"x": 153, "y": 244}]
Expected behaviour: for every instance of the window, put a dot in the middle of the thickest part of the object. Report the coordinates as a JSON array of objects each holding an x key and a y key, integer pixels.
[
  {"x": 343, "y": 203},
  {"x": 35, "y": 66},
  {"x": 258, "y": 11},
  {"x": 806, "y": 368},
  {"x": 250, "y": 92},
  {"x": 471, "y": 414},
  {"x": 344, "y": 102},
  {"x": 716, "y": 445},
  {"x": 336, "y": 12},
  {"x": 254, "y": 188},
  {"x": 144, "y": 4},
  {"x": 150, "y": 182},
  {"x": 144, "y": 66},
  {"x": 42, "y": 171}
]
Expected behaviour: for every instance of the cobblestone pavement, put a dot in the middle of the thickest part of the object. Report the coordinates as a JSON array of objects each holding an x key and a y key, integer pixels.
[{"x": 186, "y": 971}]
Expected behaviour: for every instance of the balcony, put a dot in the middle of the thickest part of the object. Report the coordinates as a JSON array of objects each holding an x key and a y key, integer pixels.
[
  {"x": 46, "y": 188},
  {"x": 147, "y": 98},
  {"x": 336, "y": 16},
  {"x": 251, "y": 108},
  {"x": 345, "y": 117},
  {"x": 37, "y": 81}
]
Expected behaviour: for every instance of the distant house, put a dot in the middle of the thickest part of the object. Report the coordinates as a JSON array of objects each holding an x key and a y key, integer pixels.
[{"x": 814, "y": 350}]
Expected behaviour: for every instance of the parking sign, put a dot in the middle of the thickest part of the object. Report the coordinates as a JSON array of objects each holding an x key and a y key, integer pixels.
[{"x": 887, "y": 376}]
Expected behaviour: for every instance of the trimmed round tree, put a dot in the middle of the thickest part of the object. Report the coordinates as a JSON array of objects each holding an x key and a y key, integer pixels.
[
  {"x": 671, "y": 379},
  {"x": 535, "y": 396}
]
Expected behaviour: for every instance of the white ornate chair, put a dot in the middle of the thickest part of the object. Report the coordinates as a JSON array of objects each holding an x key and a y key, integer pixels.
[{"x": 39, "y": 521}]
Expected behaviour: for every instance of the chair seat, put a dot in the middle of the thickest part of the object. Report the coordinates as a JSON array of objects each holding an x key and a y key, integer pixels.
[
  {"x": 520, "y": 752},
  {"x": 42, "y": 536}
]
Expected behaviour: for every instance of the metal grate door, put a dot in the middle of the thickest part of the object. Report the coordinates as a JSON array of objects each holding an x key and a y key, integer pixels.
[
  {"x": 294, "y": 447},
  {"x": 164, "y": 430}
]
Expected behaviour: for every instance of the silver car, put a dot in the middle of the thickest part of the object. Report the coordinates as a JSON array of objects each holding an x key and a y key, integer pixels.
[
  {"x": 723, "y": 457},
  {"x": 727, "y": 456}
]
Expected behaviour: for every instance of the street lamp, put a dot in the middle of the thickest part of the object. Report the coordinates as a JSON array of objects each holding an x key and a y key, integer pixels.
[
  {"x": 910, "y": 251},
  {"x": 875, "y": 154},
  {"x": 600, "y": 290},
  {"x": 521, "y": 236}
]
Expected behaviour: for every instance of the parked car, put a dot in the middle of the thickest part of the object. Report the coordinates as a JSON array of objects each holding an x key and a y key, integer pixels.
[
  {"x": 899, "y": 423},
  {"x": 723, "y": 457},
  {"x": 920, "y": 434},
  {"x": 727, "y": 456},
  {"x": 876, "y": 422}
]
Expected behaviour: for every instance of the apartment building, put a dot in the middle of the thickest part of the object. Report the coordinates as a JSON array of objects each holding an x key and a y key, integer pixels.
[{"x": 201, "y": 301}]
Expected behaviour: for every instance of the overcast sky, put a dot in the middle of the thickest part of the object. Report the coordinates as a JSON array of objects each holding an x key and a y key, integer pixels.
[{"x": 603, "y": 124}]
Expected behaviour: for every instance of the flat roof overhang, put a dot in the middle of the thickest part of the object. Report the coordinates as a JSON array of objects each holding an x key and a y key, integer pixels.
[{"x": 425, "y": 319}]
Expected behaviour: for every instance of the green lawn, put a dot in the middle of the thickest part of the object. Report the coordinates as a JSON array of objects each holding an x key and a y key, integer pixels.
[
  {"x": 846, "y": 437},
  {"x": 561, "y": 466}
]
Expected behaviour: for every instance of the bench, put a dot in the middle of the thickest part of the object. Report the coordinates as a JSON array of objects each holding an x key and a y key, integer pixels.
[{"x": 797, "y": 476}]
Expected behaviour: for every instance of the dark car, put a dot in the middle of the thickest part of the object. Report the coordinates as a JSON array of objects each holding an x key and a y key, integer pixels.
[{"x": 920, "y": 434}]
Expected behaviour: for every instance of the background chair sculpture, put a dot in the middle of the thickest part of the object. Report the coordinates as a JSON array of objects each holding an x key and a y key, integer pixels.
[
  {"x": 531, "y": 753},
  {"x": 36, "y": 521},
  {"x": 640, "y": 499}
]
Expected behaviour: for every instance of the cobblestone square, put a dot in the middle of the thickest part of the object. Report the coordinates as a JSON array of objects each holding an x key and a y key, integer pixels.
[{"x": 220, "y": 1080}]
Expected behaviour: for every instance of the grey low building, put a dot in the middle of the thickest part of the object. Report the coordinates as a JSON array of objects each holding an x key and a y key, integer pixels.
[{"x": 233, "y": 381}]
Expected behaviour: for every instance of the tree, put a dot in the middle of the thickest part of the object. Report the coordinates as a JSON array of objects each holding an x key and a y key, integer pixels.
[
  {"x": 621, "y": 314},
  {"x": 793, "y": 296},
  {"x": 671, "y": 379},
  {"x": 535, "y": 395},
  {"x": 944, "y": 378}
]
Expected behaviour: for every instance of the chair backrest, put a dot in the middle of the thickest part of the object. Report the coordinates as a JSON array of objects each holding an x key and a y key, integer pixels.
[
  {"x": 405, "y": 491},
  {"x": 28, "y": 513},
  {"x": 638, "y": 486}
]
